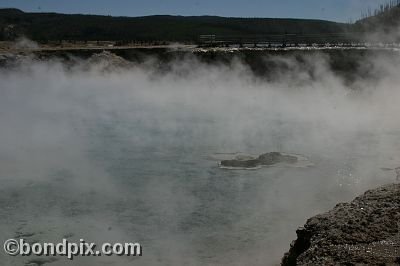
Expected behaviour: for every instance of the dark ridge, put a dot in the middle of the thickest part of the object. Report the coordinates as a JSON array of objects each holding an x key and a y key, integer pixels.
[
  {"x": 11, "y": 11},
  {"x": 54, "y": 26}
]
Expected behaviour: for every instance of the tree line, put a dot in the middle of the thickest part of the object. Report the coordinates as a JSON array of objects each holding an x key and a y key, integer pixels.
[{"x": 382, "y": 9}]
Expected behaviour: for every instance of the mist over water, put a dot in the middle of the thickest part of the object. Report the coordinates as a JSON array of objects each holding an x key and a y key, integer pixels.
[{"x": 113, "y": 154}]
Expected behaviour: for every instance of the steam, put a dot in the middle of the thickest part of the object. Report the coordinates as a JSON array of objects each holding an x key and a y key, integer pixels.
[
  {"x": 24, "y": 43},
  {"x": 383, "y": 35},
  {"x": 120, "y": 152}
]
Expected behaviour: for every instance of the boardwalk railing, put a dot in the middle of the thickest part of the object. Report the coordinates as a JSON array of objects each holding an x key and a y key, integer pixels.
[{"x": 279, "y": 39}]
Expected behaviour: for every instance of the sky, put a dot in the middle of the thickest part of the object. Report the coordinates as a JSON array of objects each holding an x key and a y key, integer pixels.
[{"x": 336, "y": 10}]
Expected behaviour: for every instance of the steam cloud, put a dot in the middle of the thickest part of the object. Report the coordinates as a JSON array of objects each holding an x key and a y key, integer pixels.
[{"x": 108, "y": 154}]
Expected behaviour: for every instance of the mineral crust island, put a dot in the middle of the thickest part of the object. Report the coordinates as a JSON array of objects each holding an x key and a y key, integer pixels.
[{"x": 265, "y": 159}]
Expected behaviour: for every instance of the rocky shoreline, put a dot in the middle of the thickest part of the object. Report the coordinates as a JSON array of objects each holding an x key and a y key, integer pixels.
[
  {"x": 350, "y": 64},
  {"x": 365, "y": 231}
]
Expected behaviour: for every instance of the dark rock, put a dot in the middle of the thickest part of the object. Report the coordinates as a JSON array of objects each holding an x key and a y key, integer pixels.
[
  {"x": 262, "y": 160},
  {"x": 363, "y": 232}
]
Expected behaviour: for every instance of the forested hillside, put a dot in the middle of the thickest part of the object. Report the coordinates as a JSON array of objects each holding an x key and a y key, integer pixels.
[
  {"x": 53, "y": 26},
  {"x": 381, "y": 24}
]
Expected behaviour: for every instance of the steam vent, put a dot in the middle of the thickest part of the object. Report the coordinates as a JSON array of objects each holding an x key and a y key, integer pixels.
[{"x": 365, "y": 231}]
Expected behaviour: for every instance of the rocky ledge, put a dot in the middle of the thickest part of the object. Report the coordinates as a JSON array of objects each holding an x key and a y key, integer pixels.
[{"x": 365, "y": 231}]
